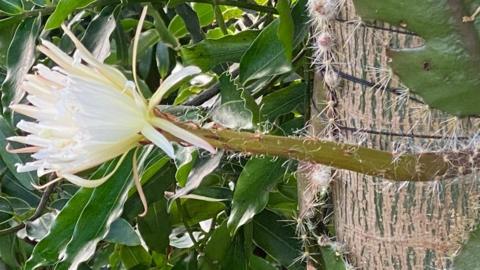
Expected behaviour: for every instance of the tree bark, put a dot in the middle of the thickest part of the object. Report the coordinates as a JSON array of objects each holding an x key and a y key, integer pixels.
[{"x": 387, "y": 225}]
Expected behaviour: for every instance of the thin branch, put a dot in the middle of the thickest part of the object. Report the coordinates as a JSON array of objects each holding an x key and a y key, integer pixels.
[
  {"x": 183, "y": 216},
  {"x": 38, "y": 212}
]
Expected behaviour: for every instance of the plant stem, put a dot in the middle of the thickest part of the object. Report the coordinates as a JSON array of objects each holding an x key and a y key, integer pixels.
[
  {"x": 406, "y": 167},
  {"x": 183, "y": 216},
  {"x": 38, "y": 212}
]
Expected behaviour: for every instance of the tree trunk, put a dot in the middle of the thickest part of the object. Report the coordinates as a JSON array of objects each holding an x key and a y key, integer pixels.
[{"x": 382, "y": 224}]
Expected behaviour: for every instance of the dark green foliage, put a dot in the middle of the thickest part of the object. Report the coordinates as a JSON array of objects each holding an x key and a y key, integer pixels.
[
  {"x": 205, "y": 212},
  {"x": 444, "y": 71}
]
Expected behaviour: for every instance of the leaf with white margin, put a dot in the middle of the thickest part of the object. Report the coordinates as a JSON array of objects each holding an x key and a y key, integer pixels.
[
  {"x": 84, "y": 221},
  {"x": 171, "y": 83},
  {"x": 20, "y": 58}
]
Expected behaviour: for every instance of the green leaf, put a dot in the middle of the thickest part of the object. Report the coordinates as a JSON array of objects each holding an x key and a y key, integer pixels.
[
  {"x": 223, "y": 251},
  {"x": 159, "y": 176},
  {"x": 185, "y": 157},
  {"x": 216, "y": 248},
  {"x": 257, "y": 263},
  {"x": 155, "y": 227},
  {"x": 121, "y": 232},
  {"x": 265, "y": 57},
  {"x": 97, "y": 35},
  {"x": 6, "y": 212},
  {"x": 259, "y": 175},
  {"x": 190, "y": 20},
  {"x": 135, "y": 256},
  {"x": 20, "y": 58},
  {"x": 38, "y": 228},
  {"x": 166, "y": 36},
  {"x": 236, "y": 257},
  {"x": 47, "y": 251},
  {"x": 84, "y": 221},
  {"x": 282, "y": 204},
  {"x": 286, "y": 27},
  {"x": 202, "y": 169},
  {"x": 211, "y": 52},
  {"x": 197, "y": 211},
  {"x": 162, "y": 58},
  {"x": 13, "y": 187},
  {"x": 147, "y": 40},
  {"x": 467, "y": 258},
  {"x": 11, "y": 7},
  {"x": 283, "y": 101},
  {"x": 7, "y": 30},
  {"x": 8, "y": 244},
  {"x": 26, "y": 179},
  {"x": 301, "y": 22},
  {"x": 238, "y": 109},
  {"x": 189, "y": 262},
  {"x": 332, "y": 260},
  {"x": 62, "y": 10},
  {"x": 277, "y": 239},
  {"x": 104, "y": 206},
  {"x": 444, "y": 71},
  {"x": 210, "y": 194}
]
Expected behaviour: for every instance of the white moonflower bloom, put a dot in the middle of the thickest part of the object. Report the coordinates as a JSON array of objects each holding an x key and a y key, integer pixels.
[{"x": 87, "y": 113}]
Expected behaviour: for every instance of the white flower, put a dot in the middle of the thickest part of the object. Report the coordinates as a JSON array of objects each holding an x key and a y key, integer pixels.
[{"x": 87, "y": 113}]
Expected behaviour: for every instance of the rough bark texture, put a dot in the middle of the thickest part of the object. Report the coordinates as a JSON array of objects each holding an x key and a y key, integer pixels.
[{"x": 386, "y": 225}]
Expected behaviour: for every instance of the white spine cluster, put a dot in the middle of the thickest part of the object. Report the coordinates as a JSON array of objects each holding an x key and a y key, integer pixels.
[{"x": 323, "y": 13}]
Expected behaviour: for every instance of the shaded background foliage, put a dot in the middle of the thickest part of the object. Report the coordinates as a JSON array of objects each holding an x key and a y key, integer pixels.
[{"x": 205, "y": 212}]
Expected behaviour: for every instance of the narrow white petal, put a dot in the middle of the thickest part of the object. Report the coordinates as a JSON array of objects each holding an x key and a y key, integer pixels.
[
  {"x": 32, "y": 111},
  {"x": 30, "y": 140},
  {"x": 95, "y": 153},
  {"x": 171, "y": 82},
  {"x": 109, "y": 72},
  {"x": 79, "y": 181},
  {"x": 82, "y": 182},
  {"x": 39, "y": 91},
  {"x": 27, "y": 167},
  {"x": 158, "y": 139},
  {"x": 39, "y": 102},
  {"x": 53, "y": 76},
  {"x": 57, "y": 55},
  {"x": 67, "y": 63},
  {"x": 182, "y": 134}
]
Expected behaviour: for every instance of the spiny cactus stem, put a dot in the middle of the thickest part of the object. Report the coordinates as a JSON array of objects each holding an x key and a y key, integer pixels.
[{"x": 406, "y": 167}]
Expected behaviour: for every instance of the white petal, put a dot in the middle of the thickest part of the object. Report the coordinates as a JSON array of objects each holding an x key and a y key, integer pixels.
[
  {"x": 109, "y": 72},
  {"x": 182, "y": 134},
  {"x": 171, "y": 82},
  {"x": 39, "y": 91},
  {"x": 27, "y": 167},
  {"x": 53, "y": 76},
  {"x": 158, "y": 139},
  {"x": 95, "y": 153},
  {"x": 92, "y": 183},
  {"x": 30, "y": 140},
  {"x": 67, "y": 63},
  {"x": 32, "y": 111}
]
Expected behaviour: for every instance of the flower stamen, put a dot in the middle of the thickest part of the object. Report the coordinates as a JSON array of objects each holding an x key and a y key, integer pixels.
[{"x": 23, "y": 150}]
